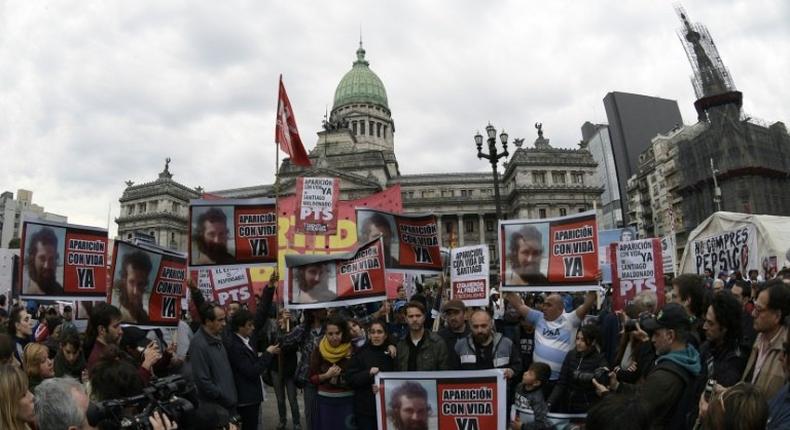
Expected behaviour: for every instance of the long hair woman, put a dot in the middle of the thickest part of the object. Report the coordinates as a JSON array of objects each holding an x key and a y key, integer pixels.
[
  {"x": 371, "y": 359},
  {"x": 38, "y": 365},
  {"x": 335, "y": 399},
  {"x": 16, "y": 400}
]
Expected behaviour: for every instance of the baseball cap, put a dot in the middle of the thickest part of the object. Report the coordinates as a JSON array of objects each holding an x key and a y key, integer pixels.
[
  {"x": 455, "y": 305},
  {"x": 134, "y": 336},
  {"x": 671, "y": 316}
]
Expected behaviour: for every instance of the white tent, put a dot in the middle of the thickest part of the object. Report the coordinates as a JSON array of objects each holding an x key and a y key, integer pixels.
[{"x": 734, "y": 241}]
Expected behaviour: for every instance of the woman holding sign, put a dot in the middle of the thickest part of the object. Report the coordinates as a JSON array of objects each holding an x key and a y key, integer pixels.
[
  {"x": 373, "y": 358},
  {"x": 335, "y": 400}
]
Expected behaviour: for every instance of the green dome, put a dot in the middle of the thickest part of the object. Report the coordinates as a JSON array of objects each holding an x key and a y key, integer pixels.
[{"x": 360, "y": 85}]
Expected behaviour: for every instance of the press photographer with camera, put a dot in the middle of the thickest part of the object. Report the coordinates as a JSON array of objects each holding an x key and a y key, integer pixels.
[
  {"x": 669, "y": 387},
  {"x": 574, "y": 391}
]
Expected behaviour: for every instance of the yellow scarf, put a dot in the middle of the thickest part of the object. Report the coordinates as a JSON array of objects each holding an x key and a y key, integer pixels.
[{"x": 333, "y": 354}]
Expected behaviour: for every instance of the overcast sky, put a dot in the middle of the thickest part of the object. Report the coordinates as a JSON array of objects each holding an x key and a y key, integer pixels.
[{"x": 93, "y": 93}]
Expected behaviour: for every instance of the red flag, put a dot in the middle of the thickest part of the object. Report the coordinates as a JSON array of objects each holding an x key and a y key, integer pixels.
[{"x": 286, "y": 134}]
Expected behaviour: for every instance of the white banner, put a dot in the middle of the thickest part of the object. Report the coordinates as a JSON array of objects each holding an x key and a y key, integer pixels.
[
  {"x": 729, "y": 250},
  {"x": 469, "y": 275}
]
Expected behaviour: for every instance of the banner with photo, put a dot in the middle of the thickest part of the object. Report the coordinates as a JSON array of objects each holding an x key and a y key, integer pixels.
[
  {"x": 605, "y": 238},
  {"x": 225, "y": 285},
  {"x": 62, "y": 261},
  {"x": 554, "y": 254},
  {"x": 338, "y": 280},
  {"x": 469, "y": 278},
  {"x": 410, "y": 241},
  {"x": 317, "y": 205},
  {"x": 637, "y": 266},
  {"x": 448, "y": 400},
  {"x": 727, "y": 250},
  {"x": 232, "y": 232},
  {"x": 148, "y": 284}
]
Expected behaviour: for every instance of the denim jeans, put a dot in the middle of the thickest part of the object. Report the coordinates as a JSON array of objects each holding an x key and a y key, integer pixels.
[{"x": 280, "y": 388}]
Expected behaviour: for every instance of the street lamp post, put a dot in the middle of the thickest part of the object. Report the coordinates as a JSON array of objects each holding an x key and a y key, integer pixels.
[{"x": 493, "y": 156}]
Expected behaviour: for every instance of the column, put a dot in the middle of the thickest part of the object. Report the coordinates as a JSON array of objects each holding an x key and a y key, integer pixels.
[
  {"x": 460, "y": 230},
  {"x": 482, "y": 223},
  {"x": 439, "y": 229}
]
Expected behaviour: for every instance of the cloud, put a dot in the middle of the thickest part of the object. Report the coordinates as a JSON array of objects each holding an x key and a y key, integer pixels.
[{"x": 94, "y": 93}]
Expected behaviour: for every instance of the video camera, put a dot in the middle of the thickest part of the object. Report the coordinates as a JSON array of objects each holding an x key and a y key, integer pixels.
[
  {"x": 601, "y": 375},
  {"x": 630, "y": 325},
  {"x": 166, "y": 395}
]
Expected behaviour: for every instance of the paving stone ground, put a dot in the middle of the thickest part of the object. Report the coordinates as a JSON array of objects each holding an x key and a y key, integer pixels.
[{"x": 269, "y": 416}]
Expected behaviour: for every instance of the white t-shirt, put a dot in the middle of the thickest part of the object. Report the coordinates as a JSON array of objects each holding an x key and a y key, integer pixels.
[{"x": 553, "y": 339}]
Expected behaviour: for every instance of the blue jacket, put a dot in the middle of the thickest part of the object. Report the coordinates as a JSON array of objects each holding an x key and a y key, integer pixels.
[{"x": 779, "y": 418}]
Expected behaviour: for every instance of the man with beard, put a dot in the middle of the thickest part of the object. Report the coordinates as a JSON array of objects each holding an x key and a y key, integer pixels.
[
  {"x": 211, "y": 237},
  {"x": 41, "y": 261},
  {"x": 378, "y": 225},
  {"x": 409, "y": 407},
  {"x": 135, "y": 270},
  {"x": 313, "y": 283},
  {"x": 525, "y": 254}
]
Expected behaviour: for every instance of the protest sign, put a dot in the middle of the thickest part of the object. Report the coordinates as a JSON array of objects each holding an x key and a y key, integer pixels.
[
  {"x": 557, "y": 254},
  {"x": 668, "y": 252},
  {"x": 637, "y": 266},
  {"x": 410, "y": 241},
  {"x": 317, "y": 205},
  {"x": 458, "y": 400},
  {"x": 337, "y": 280},
  {"x": 225, "y": 285},
  {"x": 726, "y": 250},
  {"x": 62, "y": 261},
  {"x": 469, "y": 275},
  {"x": 606, "y": 237},
  {"x": 147, "y": 284},
  {"x": 232, "y": 232}
]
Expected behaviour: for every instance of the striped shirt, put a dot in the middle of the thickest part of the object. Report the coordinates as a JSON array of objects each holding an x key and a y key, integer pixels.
[{"x": 553, "y": 339}]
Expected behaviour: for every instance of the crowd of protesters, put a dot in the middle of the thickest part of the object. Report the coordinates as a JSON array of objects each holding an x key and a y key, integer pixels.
[{"x": 714, "y": 356}]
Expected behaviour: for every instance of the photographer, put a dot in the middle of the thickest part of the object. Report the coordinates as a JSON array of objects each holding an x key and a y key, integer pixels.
[
  {"x": 574, "y": 391},
  {"x": 669, "y": 387}
]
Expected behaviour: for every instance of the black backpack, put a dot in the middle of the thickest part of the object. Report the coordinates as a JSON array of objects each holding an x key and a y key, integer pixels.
[{"x": 679, "y": 419}]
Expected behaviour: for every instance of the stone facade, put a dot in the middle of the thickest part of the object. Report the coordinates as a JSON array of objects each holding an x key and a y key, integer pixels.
[
  {"x": 13, "y": 211},
  {"x": 159, "y": 209}
]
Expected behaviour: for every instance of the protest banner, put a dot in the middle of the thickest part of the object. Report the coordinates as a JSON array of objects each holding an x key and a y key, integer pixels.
[
  {"x": 62, "y": 261},
  {"x": 148, "y": 283},
  {"x": 556, "y": 254},
  {"x": 225, "y": 285},
  {"x": 448, "y": 400},
  {"x": 726, "y": 250},
  {"x": 637, "y": 266},
  {"x": 668, "y": 252},
  {"x": 317, "y": 205},
  {"x": 469, "y": 275},
  {"x": 337, "y": 280},
  {"x": 606, "y": 237},
  {"x": 232, "y": 232},
  {"x": 410, "y": 241}
]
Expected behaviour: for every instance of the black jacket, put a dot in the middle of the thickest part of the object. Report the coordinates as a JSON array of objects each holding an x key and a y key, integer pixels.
[
  {"x": 572, "y": 393},
  {"x": 247, "y": 368},
  {"x": 360, "y": 379},
  {"x": 211, "y": 371}
]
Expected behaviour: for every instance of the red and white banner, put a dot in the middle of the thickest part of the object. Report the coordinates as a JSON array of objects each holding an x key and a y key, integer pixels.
[
  {"x": 410, "y": 241},
  {"x": 225, "y": 285},
  {"x": 556, "y": 254},
  {"x": 148, "y": 284},
  {"x": 469, "y": 278},
  {"x": 337, "y": 280},
  {"x": 449, "y": 400},
  {"x": 62, "y": 261},
  {"x": 317, "y": 205},
  {"x": 285, "y": 133},
  {"x": 232, "y": 232},
  {"x": 636, "y": 266}
]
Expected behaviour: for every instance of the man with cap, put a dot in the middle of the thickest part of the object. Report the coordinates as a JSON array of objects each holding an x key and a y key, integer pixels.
[
  {"x": 668, "y": 388},
  {"x": 454, "y": 313}
]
